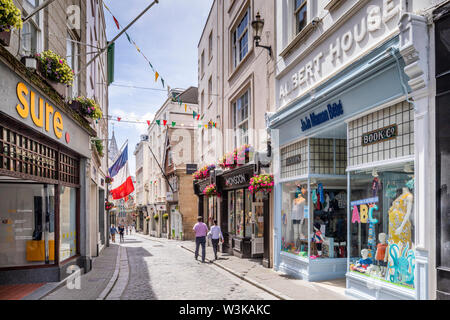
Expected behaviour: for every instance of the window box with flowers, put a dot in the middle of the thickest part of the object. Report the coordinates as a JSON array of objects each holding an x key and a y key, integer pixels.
[
  {"x": 98, "y": 146},
  {"x": 56, "y": 70},
  {"x": 238, "y": 157},
  {"x": 203, "y": 172},
  {"x": 262, "y": 182},
  {"x": 156, "y": 217},
  {"x": 87, "y": 107},
  {"x": 165, "y": 216},
  {"x": 10, "y": 17},
  {"x": 210, "y": 190}
]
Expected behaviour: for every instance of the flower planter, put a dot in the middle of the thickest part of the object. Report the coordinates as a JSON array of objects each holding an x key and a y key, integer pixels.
[
  {"x": 30, "y": 62},
  {"x": 5, "y": 38},
  {"x": 59, "y": 87},
  {"x": 75, "y": 105}
]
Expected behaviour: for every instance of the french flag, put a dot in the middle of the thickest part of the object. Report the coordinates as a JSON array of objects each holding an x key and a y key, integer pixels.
[{"x": 122, "y": 184}]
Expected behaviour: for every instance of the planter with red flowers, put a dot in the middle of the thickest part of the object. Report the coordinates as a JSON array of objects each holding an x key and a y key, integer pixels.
[
  {"x": 210, "y": 190},
  {"x": 203, "y": 172},
  {"x": 10, "y": 17},
  {"x": 56, "y": 70},
  {"x": 238, "y": 157},
  {"x": 109, "y": 205},
  {"x": 262, "y": 182}
]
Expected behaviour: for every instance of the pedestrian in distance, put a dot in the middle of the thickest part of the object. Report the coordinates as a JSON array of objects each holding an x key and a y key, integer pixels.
[
  {"x": 121, "y": 230},
  {"x": 126, "y": 229},
  {"x": 113, "y": 232},
  {"x": 215, "y": 234},
  {"x": 201, "y": 230}
]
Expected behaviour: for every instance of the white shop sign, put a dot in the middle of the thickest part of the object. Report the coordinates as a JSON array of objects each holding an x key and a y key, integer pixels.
[{"x": 369, "y": 27}]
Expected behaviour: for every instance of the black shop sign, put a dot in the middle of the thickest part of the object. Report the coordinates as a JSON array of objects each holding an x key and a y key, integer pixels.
[
  {"x": 380, "y": 135},
  {"x": 237, "y": 180},
  {"x": 293, "y": 160}
]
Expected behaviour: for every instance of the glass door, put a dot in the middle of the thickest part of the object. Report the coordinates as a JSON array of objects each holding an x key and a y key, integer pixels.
[{"x": 257, "y": 222}]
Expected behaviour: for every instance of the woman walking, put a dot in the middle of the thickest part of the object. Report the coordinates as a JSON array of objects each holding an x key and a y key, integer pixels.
[{"x": 216, "y": 235}]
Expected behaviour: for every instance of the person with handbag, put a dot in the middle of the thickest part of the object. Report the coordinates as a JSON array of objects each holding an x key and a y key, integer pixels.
[{"x": 215, "y": 234}]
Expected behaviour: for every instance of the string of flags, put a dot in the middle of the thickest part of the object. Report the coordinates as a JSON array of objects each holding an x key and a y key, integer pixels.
[{"x": 175, "y": 98}]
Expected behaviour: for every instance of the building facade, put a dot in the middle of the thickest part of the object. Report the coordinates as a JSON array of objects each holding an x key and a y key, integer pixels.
[
  {"x": 354, "y": 184},
  {"x": 142, "y": 156},
  {"x": 47, "y": 231},
  {"x": 236, "y": 92}
]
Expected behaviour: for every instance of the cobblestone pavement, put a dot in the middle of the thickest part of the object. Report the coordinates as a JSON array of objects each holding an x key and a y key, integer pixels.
[{"x": 163, "y": 270}]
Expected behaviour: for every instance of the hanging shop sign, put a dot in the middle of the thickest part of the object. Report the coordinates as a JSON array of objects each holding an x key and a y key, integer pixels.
[
  {"x": 370, "y": 26},
  {"x": 293, "y": 160},
  {"x": 380, "y": 135},
  {"x": 191, "y": 168},
  {"x": 332, "y": 111},
  {"x": 363, "y": 210},
  {"x": 26, "y": 104}
]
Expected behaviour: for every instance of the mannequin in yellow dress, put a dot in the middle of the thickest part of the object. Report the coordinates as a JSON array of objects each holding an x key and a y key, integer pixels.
[{"x": 399, "y": 218}]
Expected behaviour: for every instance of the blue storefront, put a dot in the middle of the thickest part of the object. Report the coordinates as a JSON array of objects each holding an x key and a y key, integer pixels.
[{"x": 345, "y": 193}]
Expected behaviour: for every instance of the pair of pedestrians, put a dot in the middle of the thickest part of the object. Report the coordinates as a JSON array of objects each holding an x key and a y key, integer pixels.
[
  {"x": 201, "y": 232},
  {"x": 113, "y": 232}
]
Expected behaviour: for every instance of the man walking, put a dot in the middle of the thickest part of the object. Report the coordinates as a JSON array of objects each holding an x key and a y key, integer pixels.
[
  {"x": 215, "y": 234},
  {"x": 200, "y": 237}
]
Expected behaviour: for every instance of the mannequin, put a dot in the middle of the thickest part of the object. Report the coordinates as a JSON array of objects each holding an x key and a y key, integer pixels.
[
  {"x": 399, "y": 218},
  {"x": 297, "y": 215},
  {"x": 381, "y": 256},
  {"x": 364, "y": 263},
  {"x": 318, "y": 239}
]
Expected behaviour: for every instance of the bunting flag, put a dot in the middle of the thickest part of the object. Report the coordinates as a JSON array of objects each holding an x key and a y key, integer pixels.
[
  {"x": 122, "y": 184},
  {"x": 128, "y": 37},
  {"x": 156, "y": 76},
  {"x": 118, "y": 118},
  {"x": 194, "y": 114},
  {"x": 151, "y": 66},
  {"x": 185, "y": 108},
  {"x": 202, "y": 117},
  {"x": 173, "y": 123},
  {"x": 164, "y": 122},
  {"x": 198, "y": 116},
  {"x": 158, "y": 122},
  {"x": 162, "y": 81},
  {"x": 148, "y": 122},
  {"x": 117, "y": 22}
]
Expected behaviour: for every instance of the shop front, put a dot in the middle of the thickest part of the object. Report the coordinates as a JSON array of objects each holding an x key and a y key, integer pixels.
[
  {"x": 43, "y": 207},
  {"x": 349, "y": 158},
  {"x": 245, "y": 215}
]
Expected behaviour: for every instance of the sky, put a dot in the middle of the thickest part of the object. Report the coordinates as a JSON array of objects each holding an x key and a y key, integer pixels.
[{"x": 168, "y": 35}]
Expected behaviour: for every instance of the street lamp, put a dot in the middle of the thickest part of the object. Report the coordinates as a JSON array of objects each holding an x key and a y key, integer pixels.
[{"x": 258, "y": 26}]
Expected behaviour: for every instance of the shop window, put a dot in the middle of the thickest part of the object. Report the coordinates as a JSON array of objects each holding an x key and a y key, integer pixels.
[
  {"x": 68, "y": 223},
  {"x": 31, "y": 34},
  {"x": 300, "y": 13},
  {"x": 240, "y": 114},
  {"x": 294, "y": 218},
  {"x": 382, "y": 224},
  {"x": 399, "y": 117},
  {"x": 231, "y": 213},
  {"x": 240, "y": 213},
  {"x": 240, "y": 39},
  {"x": 27, "y": 224}
]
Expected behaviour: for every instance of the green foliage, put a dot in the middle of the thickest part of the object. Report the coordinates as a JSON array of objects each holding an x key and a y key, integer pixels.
[
  {"x": 55, "y": 68},
  {"x": 99, "y": 146},
  {"x": 10, "y": 16},
  {"x": 90, "y": 108}
]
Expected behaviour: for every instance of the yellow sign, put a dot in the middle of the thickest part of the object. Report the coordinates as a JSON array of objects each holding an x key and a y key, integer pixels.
[{"x": 41, "y": 117}]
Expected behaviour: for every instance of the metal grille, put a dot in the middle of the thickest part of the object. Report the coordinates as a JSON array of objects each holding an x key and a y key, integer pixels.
[
  {"x": 328, "y": 156},
  {"x": 69, "y": 171},
  {"x": 401, "y": 114},
  {"x": 295, "y": 149},
  {"x": 22, "y": 156}
]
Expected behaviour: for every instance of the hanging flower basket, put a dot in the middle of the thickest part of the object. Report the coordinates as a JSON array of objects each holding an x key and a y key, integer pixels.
[
  {"x": 109, "y": 205},
  {"x": 203, "y": 172},
  {"x": 165, "y": 216},
  {"x": 10, "y": 17},
  {"x": 156, "y": 217},
  {"x": 55, "y": 68},
  {"x": 238, "y": 157},
  {"x": 87, "y": 107},
  {"x": 262, "y": 182},
  {"x": 210, "y": 190},
  {"x": 109, "y": 180},
  {"x": 147, "y": 218}
]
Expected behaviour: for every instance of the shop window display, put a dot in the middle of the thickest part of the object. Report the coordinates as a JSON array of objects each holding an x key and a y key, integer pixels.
[
  {"x": 68, "y": 223},
  {"x": 294, "y": 217},
  {"x": 382, "y": 224},
  {"x": 329, "y": 226}
]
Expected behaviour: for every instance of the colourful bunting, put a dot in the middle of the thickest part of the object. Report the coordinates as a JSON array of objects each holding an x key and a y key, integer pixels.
[
  {"x": 198, "y": 116},
  {"x": 117, "y": 22},
  {"x": 156, "y": 76},
  {"x": 194, "y": 114},
  {"x": 164, "y": 122},
  {"x": 158, "y": 122},
  {"x": 185, "y": 108},
  {"x": 128, "y": 37},
  {"x": 173, "y": 123},
  {"x": 162, "y": 80},
  {"x": 148, "y": 122},
  {"x": 118, "y": 118},
  {"x": 202, "y": 117}
]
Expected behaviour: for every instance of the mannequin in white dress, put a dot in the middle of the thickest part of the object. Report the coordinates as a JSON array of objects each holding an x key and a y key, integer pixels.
[{"x": 297, "y": 215}]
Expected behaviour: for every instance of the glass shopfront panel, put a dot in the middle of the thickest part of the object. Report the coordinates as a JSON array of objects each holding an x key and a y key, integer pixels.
[
  {"x": 27, "y": 224},
  {"x": 294, "y": 218},
  {"x": 231, "y": 213},
  {"x": 68, "y": 223},
  {"x": 382, "y": 224},
  {"x": 248, "y": 213},
  {"x": 239, "y": 211}
]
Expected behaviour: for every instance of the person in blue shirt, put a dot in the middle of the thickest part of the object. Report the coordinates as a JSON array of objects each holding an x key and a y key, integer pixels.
[{"x": 113, "y": 231}]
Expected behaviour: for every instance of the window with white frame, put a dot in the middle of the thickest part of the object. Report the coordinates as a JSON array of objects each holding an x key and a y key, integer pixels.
[
  {"x": 210, "y": 46},
  {"x": 240, "y": 114},
  {"x": 72, "y": 57},
  {"x": 240, "y": 37},
  {"x": 202, "y": 65},
  {"x": 301, "y": 15},
  {"x": 31, "y": 34},
  {"x": 210, "y": 89}
]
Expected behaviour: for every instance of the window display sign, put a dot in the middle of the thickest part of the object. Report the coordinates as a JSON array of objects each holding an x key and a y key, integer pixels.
[
  {"x": 379, "y": 135},
  {"x": 363, "y": 210},
  {"x": 293, "y": 160}
]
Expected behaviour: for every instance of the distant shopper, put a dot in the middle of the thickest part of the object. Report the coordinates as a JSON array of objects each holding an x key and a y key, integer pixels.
[
  {"x": 126, "y": 229},
  {"x": 113, "y": 232},
  {"x": 201, "y": 230},
  {"x": 121, "y": 230},
  {"x": 215, "y": 234}
]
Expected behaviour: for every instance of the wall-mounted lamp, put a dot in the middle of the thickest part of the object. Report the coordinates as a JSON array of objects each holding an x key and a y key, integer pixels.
[{"x": 258, "y": 26}]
